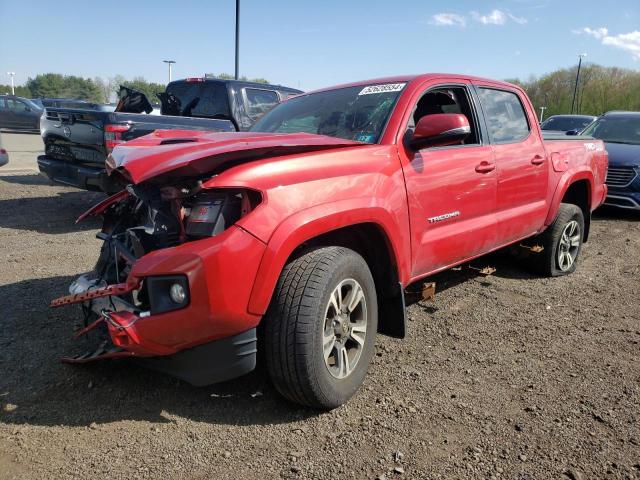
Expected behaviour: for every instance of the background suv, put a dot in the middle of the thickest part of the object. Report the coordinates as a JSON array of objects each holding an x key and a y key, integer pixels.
[{"x": 621, "y": 133}]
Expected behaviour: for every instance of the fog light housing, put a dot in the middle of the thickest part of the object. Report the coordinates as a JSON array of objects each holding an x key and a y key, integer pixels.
[
  {"x": 167, "y": 293},
  {"x": 177, "y": 293}
]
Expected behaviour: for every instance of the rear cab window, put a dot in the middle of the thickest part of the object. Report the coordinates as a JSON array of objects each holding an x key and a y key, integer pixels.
[
  {"x": 504, "y": 114},
  {"x": 197, "y": 99},
  {"x": 260, "y": 101}
]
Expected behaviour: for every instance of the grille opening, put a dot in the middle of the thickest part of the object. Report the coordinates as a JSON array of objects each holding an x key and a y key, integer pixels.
[{"x": 620, "y": 176}]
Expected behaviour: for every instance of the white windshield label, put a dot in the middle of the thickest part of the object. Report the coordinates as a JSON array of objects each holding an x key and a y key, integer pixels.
[{"x": 388, "y": 87}]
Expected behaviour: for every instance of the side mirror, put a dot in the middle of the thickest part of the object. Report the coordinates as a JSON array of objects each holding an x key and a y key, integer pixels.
[
  {"x": 439, "y": 130},
  {"x": 572, "y": 132},
  {"x": 27, "y": 109}
]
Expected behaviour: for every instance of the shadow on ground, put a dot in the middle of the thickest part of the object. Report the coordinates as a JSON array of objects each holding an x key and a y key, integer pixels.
[
  {"x": 47, "y": 214},
  {"x": 23, "y": 179},
  {"x": 48, "y": 392}
]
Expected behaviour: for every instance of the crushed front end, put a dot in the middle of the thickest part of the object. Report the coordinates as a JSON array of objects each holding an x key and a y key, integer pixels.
[{"x": 172, "y": 281}]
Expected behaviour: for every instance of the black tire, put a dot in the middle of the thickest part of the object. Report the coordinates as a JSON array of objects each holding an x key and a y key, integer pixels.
[
  {"x": 547, "y": 262},
  {"x": 295, "y": 327}
]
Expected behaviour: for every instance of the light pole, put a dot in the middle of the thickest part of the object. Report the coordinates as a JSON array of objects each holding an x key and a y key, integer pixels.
[
  {"x": 12, "y": 74},
  {"x": 170, "y": 62},
  {"x": 542, "y": 109},
  {"x": 575, "y": 87},
  {"x": 237, "y": 39}
]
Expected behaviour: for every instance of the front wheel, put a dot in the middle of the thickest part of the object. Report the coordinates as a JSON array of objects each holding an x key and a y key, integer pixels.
[
  {"x": 321, "y": 326},
  {"x": 562, "y": 242}
]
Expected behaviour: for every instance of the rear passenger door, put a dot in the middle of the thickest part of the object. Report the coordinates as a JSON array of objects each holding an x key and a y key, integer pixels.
[{"x": 521, "y": 163}]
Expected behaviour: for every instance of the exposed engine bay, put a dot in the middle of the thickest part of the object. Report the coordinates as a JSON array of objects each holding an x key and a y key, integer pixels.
[{"x": 148, "y": 218}]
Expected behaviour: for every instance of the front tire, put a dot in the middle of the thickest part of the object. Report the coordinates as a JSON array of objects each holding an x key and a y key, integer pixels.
[
  {"x": 320, "y": 327},
  {"x": 562, "y": 243}
]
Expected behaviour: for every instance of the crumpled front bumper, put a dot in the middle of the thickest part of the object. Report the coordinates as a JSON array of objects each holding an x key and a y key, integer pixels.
[{"x": 214, "y": 330}]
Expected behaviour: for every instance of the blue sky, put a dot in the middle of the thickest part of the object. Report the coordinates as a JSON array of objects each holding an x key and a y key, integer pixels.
[{"x": 314, "y": 44}]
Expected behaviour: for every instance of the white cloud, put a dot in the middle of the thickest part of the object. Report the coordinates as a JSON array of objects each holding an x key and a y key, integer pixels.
[
  {"x": 629, "y": 42},
  {"x": 597, "y": 33},
  {"x": 497, "y": 17},
  {"x": 446, "y": 19},
  {"x": 519, "y": 20}
]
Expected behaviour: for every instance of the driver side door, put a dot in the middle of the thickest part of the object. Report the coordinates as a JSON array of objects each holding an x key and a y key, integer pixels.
[{"x": 451, "y": 190}]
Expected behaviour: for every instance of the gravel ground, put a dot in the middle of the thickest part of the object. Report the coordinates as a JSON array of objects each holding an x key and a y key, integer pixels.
[{"x": 506, "y": 376}]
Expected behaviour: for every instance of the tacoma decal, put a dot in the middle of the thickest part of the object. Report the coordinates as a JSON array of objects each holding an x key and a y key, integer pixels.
[{"x": 444, "y": 216}]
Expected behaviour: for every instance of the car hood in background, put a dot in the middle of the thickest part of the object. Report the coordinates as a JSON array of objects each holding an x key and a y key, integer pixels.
[
  {"x": 623, "y": 155},
  {"x": 187, "y": 153}
]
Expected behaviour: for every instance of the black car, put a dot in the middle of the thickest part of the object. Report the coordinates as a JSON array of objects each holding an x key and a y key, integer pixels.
[
  {"x": 17, "y": 113},
  {"x": 78, "y": 140},
  {"x": 567, "y": 123},
  {"x": 620, "y": 132}
]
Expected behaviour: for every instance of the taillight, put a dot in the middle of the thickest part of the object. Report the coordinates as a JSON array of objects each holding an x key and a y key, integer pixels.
[
  {"x": 194, "y": 80},
  {"x": 3, "y": 151},
  {"x": 113, "y": 135}
]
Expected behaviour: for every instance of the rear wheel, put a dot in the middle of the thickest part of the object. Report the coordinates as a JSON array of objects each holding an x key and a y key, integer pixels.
[
  {"x": 562, "y": 243},
  {"x": 320, "y": 328}
]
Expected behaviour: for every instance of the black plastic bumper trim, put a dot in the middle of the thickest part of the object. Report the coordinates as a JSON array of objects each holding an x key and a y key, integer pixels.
[{"x": 212, "y": 362}]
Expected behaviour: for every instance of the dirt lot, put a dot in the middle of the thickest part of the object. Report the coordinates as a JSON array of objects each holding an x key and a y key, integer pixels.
[{"x": 509, "y": 376}]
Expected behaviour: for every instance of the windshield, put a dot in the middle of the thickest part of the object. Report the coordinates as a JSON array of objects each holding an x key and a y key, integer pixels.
[
  {"x": 564, "y": 124},
  {"x": 618, "y": 129},
  {"x": 32, "y": 105},
  {"x": 353, "y": 113}
]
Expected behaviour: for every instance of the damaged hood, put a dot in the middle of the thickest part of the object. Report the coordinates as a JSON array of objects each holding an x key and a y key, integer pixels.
[{"x": 167, "y": 153}]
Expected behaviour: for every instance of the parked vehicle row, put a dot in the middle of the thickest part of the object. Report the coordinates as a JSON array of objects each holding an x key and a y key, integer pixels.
[
  {"x": 567, "y": 123},
  {"x": 4, "y": 155},
  {"x": 621, "y": 133},
  {"x": 77, "y": 141},
  {"x": 17, "y": 113},
  {"x": 309, "y": 226}
]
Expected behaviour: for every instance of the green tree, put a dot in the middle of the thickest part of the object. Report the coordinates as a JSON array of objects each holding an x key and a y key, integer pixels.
[
  {"x": 69, "y": 86},
  {"x": 148, "y": 88},
  {"x": 228, "y": 76},
  {"x": 601, "y": 89},
  {"x": 20, "y": 90}
]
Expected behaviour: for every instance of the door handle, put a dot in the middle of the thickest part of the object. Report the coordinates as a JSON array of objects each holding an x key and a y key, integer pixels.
[
  {"x": 486, "y": 167},
  {"x": 537, "y": 160}
]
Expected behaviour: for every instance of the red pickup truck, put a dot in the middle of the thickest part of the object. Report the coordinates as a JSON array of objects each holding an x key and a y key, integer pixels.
[{"x": 299, "y": 237}]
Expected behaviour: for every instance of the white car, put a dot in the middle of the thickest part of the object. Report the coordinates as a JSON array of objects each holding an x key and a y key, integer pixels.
[{"x": 4, "y": 156}]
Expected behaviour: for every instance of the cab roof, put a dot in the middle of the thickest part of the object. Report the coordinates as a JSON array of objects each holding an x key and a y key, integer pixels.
[{"x": 414, "y": 78}]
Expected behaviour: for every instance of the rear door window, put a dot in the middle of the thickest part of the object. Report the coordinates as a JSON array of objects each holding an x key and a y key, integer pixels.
[
  {"x": 504, "y": 114},
  {"x": 197, "y": 99},
  {"x": 16, "y": 105},
  {"x": 260, "y": 101}
]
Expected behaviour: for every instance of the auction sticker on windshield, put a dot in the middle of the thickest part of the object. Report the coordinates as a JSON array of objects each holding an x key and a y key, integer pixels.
[{"x": 388, "y": 87}]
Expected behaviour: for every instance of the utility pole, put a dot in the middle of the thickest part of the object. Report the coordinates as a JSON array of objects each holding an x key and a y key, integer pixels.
[
  {"x": 542, "y": 109},
  {"x": 575, "y": 88},
  {"x": 13, "y": 89},
  {"x": 170, "y": 62},
  {"x": 237, "y": 76}
]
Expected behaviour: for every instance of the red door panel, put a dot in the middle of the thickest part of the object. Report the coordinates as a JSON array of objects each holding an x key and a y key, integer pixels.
[{"x": 452, "y": 199}]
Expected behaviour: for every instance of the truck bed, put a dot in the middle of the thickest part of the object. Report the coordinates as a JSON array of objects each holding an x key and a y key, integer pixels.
[{"x": 74, "y": 140}]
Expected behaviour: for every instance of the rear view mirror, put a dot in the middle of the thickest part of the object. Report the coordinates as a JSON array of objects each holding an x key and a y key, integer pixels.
[{"x": 440, "y": 129}]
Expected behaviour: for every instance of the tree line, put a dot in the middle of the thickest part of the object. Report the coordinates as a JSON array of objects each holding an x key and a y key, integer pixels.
[
  {"x": 600, "y": 89},
  {"x": 98, "y": 89}
]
